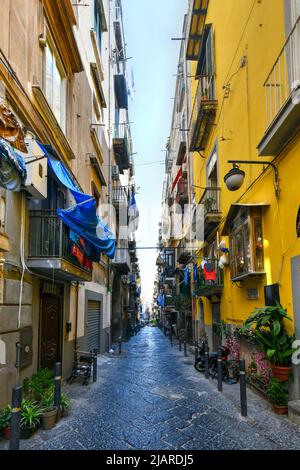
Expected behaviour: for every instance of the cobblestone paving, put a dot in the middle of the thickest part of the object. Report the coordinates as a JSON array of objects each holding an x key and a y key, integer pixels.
[{"x": 151, "y": 397}]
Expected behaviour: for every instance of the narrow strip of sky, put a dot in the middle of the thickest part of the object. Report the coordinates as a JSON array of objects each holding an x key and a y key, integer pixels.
[{"x": 149, "y": 27}]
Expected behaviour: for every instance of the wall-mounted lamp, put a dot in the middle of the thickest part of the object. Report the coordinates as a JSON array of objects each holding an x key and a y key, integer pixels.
[{"x": 235, "y": 177}]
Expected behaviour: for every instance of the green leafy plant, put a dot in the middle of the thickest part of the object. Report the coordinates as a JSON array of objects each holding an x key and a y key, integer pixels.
[
  {"x": 277, "y": 392},
  {"x": 41, "y": 381},
  {"x": 5, "y": 417},
  {"x": 31, "y": 413},
  {"x": 271, "y": 335},
  {"x": 222, "y": 330},
  {"x": 47, "y": 401},
  {"x": 65, "y": 402}
]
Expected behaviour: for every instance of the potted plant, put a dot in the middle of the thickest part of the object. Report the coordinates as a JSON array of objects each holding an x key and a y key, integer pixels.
[
  {"x": 49, "y": 411},
  {"x": 273, "y": 339},
  {"x": 277, "y": 393},
  {"x": 30, "y": 418},
  {"x": 5, "y": 417},
  {"x": 65, "y": 403},
  {"x": 39, "y": 383}
]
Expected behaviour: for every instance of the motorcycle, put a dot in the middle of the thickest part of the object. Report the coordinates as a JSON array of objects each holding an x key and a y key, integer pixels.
[{"x": 230, "y": 373}]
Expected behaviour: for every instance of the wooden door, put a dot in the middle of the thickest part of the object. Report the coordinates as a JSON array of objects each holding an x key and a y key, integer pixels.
[{"x": 50, "y": 331}]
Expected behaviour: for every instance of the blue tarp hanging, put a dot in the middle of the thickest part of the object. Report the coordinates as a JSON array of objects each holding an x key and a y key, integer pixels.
[
  {"x": 12, "y": 167},
  {"x": 82, "y": 217}
]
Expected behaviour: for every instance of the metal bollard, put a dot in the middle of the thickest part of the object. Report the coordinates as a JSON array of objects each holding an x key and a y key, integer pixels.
[
  {"x": 220, "y": 370},
  {"x": 95, "y": 365},
  {"x": 196, "y": 352},
  {"x": 180, "y": 343},
  {"x": 15, "y": 418},
  {"x": 57, "y": 386},
  {"x": 171, "y": 338},
  {"x": 206, "y": 359},
  {"x": 184, "y": 347},
  {"x": 120, "y": 345},
  {"x": 108, "y": 345},
  {"x": 243, "y": 388}
]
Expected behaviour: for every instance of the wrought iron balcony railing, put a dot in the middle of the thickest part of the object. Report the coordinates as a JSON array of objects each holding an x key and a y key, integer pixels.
[
  {"x": 210, "y": 279},
  {"x": 119, "y": 195},
  {"x": 203, "y": 113},
  {"x": 211, "y": 201},
  {"x": 284, "y": 77},
  {"x": 49, "y": 238}
]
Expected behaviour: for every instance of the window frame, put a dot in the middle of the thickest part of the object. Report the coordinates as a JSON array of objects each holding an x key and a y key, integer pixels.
[
  {"x": 245, "y": 226},
  {"x": 51, "y": 46}
]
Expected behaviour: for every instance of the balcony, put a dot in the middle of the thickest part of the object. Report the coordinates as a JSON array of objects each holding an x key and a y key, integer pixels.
[
  {"x": 168, "y": 162},
  {"x": 182, "y": 195},
  {"x": 212, "y": 212},
  {"x": 119, "y": 196},
  {"x": 119, "y": 40},
  {"x": 211, "y": 281},
  {"x": 203, "y": 113},
  {"x": 282, "y": 97},
  {"x": 121, "y": 261},
  {"x": 121, "y": 91},
  {"x": 181, "y": 150},
  {"x": 121, "y": 147},
  {"x": 184, "y": 252},
  {"x": 50, "y": 249}
]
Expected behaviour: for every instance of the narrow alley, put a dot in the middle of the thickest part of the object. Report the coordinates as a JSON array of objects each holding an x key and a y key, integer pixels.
[{"x": 151, "y": 397}]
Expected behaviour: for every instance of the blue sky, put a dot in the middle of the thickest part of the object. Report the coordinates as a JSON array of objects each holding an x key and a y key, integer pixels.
[{"x": 149, "y": 27}]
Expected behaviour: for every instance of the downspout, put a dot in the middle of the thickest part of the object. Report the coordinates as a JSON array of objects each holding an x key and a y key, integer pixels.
[
  {"x": 76, "y": 320},
  {"x": 110, "y": 62},
  {"x": 23, "y": 264}
]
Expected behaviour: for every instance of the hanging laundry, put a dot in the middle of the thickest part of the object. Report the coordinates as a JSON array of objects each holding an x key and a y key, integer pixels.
[
  {"x": 209, "y": 272},
  {"x": 186, "y": 276}
]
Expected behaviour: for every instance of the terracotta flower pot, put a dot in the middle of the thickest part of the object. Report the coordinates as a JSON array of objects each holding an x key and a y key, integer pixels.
[
  {"x": 281, "y": 373},
  {"x": 280, "y": 409},
  {"x": 49, "y": 418},
  {"x": 7, "y": 433}
]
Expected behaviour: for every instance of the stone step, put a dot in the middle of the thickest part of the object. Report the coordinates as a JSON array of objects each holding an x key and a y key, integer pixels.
[{"x": 294, "y": 411}]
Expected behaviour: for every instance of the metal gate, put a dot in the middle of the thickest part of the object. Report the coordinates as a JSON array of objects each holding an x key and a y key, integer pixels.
[{"x": 93, "y": 325}]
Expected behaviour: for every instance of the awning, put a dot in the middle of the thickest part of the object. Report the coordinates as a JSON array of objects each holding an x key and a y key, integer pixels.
[
  {"x": 12, "y": 167},
  {"x": 121, "y": 91},
  {"x": 82, "y": 217},
  {"x": 233, "y": 211}
]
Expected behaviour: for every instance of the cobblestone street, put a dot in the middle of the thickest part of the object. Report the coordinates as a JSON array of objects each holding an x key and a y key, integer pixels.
[{"x": 151, "y": 397}]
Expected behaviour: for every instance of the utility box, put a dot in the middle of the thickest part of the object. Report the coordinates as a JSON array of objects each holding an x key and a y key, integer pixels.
[
  {"x": 36, "y": 181},
  {"x": 26, "y": 352}
]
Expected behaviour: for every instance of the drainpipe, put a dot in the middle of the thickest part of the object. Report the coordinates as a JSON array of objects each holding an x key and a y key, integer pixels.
[
  {"x": 76, "y": 319},
  {"x": 110, "y": 63},
  {"x": 22, "y": 258}
]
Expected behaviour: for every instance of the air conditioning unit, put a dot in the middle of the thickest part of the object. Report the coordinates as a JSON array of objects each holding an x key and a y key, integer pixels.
[
  {"x": 36, "y": 181},
  {"x": 115, "y": 172}
]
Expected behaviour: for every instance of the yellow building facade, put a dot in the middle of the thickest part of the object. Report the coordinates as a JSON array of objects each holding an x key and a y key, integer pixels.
[{"x": 243, "y": 63}]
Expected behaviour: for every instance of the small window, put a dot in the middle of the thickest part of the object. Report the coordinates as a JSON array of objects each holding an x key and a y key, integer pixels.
[
  {"x": 55, "y": 83},
  {"x": 98, "y": 23},
  {"x": 246, "y": 243}
]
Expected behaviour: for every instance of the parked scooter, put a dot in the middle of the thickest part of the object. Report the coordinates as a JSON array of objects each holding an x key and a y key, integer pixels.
[{"x": 229, "y": 374}]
